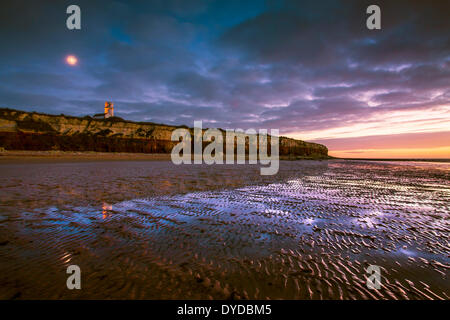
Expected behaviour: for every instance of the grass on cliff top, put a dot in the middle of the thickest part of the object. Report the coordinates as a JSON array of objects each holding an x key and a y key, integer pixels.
[{"x": 4, "y": 113}]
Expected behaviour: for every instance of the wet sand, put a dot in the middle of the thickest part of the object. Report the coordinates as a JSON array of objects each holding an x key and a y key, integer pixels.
[{"x": 153, "y": 230}]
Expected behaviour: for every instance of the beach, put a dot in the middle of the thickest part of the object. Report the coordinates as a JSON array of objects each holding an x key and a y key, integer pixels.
[
  {"x": 144, "y": 228},
  {"x": 27, "y": 156}
]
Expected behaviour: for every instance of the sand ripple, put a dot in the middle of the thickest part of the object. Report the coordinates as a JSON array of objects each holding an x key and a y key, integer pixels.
[{"x": 309, "y": 235}]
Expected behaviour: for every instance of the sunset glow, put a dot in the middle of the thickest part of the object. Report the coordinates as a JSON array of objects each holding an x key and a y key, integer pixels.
[
  {"x": 422, "y": 145},
  {"x": 402, "y": 153},
  {"x": 431, "y": 119}
]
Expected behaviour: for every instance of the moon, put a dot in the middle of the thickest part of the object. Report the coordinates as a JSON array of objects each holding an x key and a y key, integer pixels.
[{"x": 71, "y": 60}]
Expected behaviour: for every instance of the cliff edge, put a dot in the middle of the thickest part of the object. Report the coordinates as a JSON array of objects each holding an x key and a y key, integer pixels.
[{"x": 20, "y": 130}]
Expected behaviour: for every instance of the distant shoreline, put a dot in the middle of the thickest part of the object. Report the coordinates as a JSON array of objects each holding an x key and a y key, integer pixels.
[{"x": 397, "y": 159}]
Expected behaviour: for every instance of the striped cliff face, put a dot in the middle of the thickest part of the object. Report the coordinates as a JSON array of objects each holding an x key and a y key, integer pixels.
[{"x": 33, "y": 131}]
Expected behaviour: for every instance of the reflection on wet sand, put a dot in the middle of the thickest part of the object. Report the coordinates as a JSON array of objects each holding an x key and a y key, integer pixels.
[
  {"x": 308, "y": 233},
  {"x": 106, "y": 208}
]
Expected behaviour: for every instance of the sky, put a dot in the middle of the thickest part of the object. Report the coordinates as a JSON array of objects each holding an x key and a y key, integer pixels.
[{"x": 311, "y": 69}]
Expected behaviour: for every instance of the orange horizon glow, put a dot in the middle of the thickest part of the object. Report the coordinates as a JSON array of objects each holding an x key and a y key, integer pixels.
[
  {"x": 425, "y": 145},
  {"x": 405, "y": 153},
  {"x": 398, "y": 134}
]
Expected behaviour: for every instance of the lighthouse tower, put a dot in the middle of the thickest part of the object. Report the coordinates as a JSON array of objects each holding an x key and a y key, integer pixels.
[{"x": 109, "y": 109}]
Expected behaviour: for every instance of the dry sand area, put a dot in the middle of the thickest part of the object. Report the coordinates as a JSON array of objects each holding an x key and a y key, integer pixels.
[{"x": 25, "y": 156}]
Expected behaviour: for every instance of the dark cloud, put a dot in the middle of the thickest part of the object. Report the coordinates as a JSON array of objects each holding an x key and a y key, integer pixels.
[{"x": 295, "y": 65}]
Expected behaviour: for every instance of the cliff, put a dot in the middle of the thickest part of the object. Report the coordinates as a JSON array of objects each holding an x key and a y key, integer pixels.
[{"x": 20, "y": 130}]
